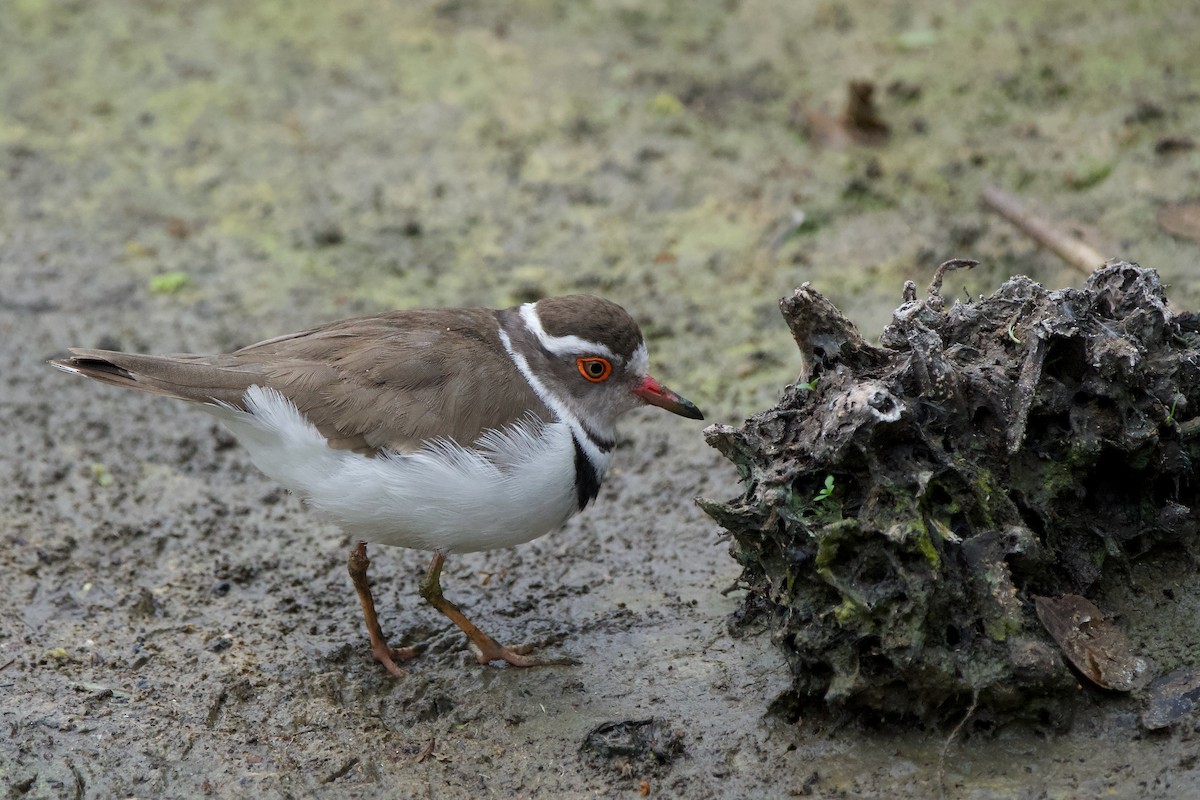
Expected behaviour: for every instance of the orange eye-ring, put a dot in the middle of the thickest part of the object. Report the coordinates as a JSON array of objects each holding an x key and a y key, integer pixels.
[{"x": 595, "y": 370}]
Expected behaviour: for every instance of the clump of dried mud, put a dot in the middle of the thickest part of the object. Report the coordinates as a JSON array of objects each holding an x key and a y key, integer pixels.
[{"x": 905, "y": 505}]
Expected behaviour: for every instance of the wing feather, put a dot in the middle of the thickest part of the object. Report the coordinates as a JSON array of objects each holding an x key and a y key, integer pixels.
[{"x": 388, "y": 382}]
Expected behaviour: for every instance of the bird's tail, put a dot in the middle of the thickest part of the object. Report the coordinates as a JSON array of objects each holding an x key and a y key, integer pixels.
[{"x": 186, "y": 377}]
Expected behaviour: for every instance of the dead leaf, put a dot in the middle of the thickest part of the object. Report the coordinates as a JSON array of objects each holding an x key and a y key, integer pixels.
[
  {"x": 862, "y": 115},
  {"x": 426, "y": 751},
  {"x": 178, "y": 228},
  {"x": 859, "y": 123},
  {"x": 1092, "y": 643},
  {"x": 1169, "y": 145},
  {"x": 1181, "y": 219}
]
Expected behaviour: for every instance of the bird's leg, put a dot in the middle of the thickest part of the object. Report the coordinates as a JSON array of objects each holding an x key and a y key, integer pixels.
[
  {"x": 486, "y": 648},
  {"x": 379, "y": 647}
]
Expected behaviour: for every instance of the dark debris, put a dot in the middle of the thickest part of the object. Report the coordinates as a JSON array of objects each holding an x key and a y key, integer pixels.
[
  {"x": 1172, "y": 698},
  {"x": 632, "y": 747},
  {"x": 1016, "y": 446}
]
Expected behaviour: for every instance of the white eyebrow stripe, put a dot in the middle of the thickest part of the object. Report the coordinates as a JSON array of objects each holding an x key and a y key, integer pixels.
[{"x": 562, "y": 345}]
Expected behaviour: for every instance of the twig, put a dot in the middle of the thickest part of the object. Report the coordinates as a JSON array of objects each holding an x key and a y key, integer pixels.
[
  {"x": 935, "y": 301},
  {"x": 1076, "y": 253},
  {"x": 341, "y": 771},
  {"x": 80, "y": 784},
  {"x": 941, "y": 770}
]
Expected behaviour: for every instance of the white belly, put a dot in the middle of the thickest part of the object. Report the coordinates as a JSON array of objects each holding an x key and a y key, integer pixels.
[{"x": 511, "y": 487}]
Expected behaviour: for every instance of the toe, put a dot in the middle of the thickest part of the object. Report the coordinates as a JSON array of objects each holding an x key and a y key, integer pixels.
[{"x": 518, "y": 656}]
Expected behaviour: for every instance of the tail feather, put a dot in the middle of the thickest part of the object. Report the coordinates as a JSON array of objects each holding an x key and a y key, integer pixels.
[{"x": 186, "y": 377}]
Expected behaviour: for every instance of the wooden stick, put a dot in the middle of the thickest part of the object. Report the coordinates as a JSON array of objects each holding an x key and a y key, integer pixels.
[{"x": 1079, "y": 255}]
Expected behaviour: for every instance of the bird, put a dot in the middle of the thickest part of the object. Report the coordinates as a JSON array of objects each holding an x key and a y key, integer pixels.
[{"x": 451, "y": 430}]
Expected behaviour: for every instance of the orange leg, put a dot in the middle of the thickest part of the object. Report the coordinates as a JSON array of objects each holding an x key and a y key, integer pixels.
[
  {"x": 486, "y": 648},
  {"x": 379, "y": 647}
]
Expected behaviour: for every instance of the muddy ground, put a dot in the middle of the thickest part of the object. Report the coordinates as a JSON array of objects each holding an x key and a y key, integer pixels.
[{"x": 193, "y": 177}]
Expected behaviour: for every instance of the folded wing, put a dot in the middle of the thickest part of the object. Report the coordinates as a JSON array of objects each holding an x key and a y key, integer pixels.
[{"x": 386, "y": 382}]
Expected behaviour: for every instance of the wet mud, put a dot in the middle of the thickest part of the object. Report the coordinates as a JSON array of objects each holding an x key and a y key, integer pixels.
[{"x": 179, "y": 178}]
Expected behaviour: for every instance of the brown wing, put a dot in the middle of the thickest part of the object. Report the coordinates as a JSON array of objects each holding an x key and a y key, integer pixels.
[{"x": 389, "y": 381}]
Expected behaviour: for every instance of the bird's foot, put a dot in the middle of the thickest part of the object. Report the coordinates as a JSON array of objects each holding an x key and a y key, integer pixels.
[
  {"x": 388, "y": 656},
  {"x": 485, "y": 647},
  {"x": 517, "y": 656}
]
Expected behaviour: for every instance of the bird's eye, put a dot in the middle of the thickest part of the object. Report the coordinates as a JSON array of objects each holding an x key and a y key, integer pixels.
[{"x": 594, "y": 369}]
